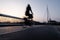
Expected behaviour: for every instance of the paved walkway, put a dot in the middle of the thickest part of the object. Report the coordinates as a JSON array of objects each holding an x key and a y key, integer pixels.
[{"x": 32, "y": 33}]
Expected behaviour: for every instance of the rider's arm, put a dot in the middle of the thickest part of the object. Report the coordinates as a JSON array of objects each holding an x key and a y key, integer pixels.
[{"x": 31, "y": 12}]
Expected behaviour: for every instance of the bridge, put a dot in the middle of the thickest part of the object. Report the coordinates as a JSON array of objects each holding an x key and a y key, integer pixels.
[
  {"x": 10, "y": 24},
  {"x": 10, "y": 16}
]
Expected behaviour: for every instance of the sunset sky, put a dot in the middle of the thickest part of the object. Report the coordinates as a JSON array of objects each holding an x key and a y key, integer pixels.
[{"x": 39, "y": 7}]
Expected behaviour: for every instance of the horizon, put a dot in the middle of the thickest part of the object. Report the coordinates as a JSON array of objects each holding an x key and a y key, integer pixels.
[{"x": 17, "y": 8}]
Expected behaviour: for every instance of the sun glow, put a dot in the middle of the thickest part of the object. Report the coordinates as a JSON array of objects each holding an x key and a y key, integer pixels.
[
  {"x": 11, "y": 20},
  {"x": 12, "y": 9}
]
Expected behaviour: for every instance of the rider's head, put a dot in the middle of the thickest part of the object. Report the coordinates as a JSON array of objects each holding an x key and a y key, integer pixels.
[{"x": 28, "y": 5}]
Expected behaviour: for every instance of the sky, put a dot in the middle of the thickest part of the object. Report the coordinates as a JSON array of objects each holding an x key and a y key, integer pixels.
[{"x": 17, "y": 8}]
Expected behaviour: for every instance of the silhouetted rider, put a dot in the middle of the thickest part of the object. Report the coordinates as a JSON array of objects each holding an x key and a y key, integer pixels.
[{"x": 29, "y": 12}]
